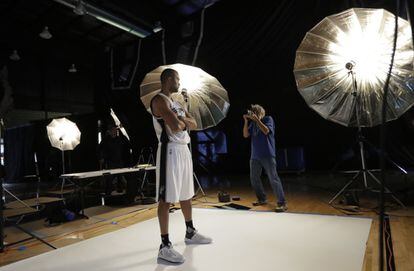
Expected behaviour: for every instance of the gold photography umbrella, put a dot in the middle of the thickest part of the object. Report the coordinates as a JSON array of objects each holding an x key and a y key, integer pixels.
[{"x": 207, "y": 102}]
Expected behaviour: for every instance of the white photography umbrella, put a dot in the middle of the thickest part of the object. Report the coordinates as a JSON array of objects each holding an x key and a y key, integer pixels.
[{"x": 64, "y": 135}]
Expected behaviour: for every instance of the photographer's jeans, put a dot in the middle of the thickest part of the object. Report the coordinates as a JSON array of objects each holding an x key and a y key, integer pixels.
[{"x": 269, "y": 165}]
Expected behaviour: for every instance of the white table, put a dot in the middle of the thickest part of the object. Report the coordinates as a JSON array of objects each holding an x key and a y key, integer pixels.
[{"x": 78, "y": 177}]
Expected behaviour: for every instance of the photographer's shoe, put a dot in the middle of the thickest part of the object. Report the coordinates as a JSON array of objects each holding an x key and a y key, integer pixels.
[
  {"x": 259, "y": 203},
  {"x": 281, "y": 208}
]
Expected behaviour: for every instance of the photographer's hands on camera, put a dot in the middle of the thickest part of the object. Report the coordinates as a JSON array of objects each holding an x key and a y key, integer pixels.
[{"x": 250, "y": 116}]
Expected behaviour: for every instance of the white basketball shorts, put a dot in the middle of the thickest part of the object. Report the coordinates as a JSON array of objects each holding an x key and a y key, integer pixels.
[{"x": 176, "y": 183}]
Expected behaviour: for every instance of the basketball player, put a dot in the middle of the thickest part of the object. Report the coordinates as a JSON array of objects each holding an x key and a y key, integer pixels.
[{"x": 174, "y": 171}]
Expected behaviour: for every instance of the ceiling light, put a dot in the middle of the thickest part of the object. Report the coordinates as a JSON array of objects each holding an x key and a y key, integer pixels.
[
  {"x": 45, "y": 34},
  {"x": 107, "y": 17},
  {"x": 157, "y": 27},
  {"x": 14, "y": 56},
  {"x": 72, "y": 68}
]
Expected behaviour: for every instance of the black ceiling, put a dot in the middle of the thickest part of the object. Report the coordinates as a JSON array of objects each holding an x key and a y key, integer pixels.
[
  {"x": 27, "y": 18},
  {"x": 22, "y": 21}
]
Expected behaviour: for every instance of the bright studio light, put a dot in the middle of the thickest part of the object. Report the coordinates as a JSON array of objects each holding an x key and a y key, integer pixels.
[
  {"x": 191, "y": 78},
  {"x": 66, "y": 132},
  {"x": 370, "y": 53},
  {"x": 45, "y": 34},
  {"x": 360, "y": 40},
  {"x": 368, "y": 47}
]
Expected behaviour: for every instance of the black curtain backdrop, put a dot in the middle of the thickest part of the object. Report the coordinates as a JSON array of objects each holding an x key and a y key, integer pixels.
[
  {"x": 18, "y": 150},
  {"x": 250, "y": 49}
]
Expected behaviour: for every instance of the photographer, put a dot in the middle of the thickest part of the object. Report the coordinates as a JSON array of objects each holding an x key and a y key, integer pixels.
[
  {"x": 260, "y": 128},
  {"x": 113, "y": 152}
]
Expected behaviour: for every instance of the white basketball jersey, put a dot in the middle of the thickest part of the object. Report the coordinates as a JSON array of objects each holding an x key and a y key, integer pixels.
[{"x": 181, "y": 137}]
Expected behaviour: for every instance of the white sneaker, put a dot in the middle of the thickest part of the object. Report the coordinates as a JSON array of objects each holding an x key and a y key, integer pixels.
[
  {"x": 198, "y": 239},
  {"x": 168, "y": 253}
]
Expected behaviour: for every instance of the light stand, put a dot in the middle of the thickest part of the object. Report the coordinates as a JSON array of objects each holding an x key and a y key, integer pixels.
[
  {"x": 63, "y": 164},
  {"x": 64, "y": 135},
  {"x": 38, "y": 181},
  {"x": 63, "y": 155},
  {"x": 363, "y": 171},
  {"x": 200, "y": 188}
]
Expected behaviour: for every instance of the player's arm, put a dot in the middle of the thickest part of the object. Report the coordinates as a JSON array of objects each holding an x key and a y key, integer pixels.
[
  {"x": 189, "y": 121},
  {"x": 161, "y": 109}
]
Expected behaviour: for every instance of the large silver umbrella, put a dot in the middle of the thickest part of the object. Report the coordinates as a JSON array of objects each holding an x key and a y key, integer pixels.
[
  {"x": 63, "y": 134},
  {"x": 208, "y": 101},
  {"x": 356, "y": 45}
]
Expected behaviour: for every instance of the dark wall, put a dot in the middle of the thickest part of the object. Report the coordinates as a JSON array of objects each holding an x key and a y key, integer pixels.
[{"x": 42, "y": 82}]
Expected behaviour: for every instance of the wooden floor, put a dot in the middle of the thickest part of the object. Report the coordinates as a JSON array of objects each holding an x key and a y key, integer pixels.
[{"x": 302, "y": 198}]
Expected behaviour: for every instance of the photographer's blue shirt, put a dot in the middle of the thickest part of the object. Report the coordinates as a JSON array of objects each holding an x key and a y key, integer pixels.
[{"x": 262, "y": 146}]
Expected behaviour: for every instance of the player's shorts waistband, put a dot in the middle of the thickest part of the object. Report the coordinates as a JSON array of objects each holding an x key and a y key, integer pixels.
[{"x": 175, "y": 144}]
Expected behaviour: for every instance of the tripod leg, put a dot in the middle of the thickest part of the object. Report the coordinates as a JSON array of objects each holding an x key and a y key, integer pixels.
[
  {"x": 33, "y": 235},
  {"x": 364, "y": 168},
  {"x": 144, "y": 180},
  {"x": 345, "y": 187},
  {"x": 386, "y": 189},
  {"x": 341, "y": 191},
  {"x": 62, "y": 187},
  {"x": 199, "y": 187},
  {"x": 143, "y": 183}
]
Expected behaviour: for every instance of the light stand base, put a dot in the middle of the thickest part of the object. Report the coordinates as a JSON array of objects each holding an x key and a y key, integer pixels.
[
  {"x": 366, "y": 173},
  {"x": 373, "y": 177}
]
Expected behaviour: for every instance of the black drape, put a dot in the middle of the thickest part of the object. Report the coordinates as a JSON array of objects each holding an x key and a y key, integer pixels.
[{"x": 18, "y": 149}]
